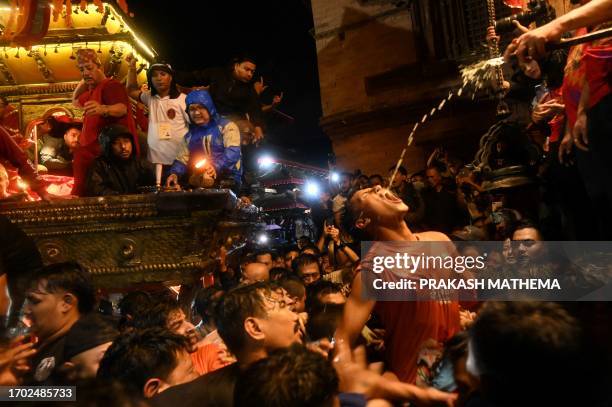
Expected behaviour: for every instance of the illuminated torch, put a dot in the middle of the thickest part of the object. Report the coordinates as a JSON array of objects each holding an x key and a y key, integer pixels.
[
  {"x": 201, "y": 180},
  {"x": 200, "y": 163}
]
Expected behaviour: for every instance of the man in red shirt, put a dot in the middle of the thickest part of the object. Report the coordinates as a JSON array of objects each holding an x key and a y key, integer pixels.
[
  {"x": 412, "y": 327},
  {"x": 104, "y": 101}
]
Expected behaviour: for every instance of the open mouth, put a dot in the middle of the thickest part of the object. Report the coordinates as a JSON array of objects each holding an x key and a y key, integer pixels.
[{"x": 390, "y": 196}]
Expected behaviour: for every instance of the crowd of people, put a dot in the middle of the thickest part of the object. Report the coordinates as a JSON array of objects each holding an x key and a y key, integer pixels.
[{"x": 291, "y": 326}]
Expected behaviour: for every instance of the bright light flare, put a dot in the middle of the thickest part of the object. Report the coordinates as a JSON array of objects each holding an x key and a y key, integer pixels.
[
  {"x": 312, "y": 189},
  {"x": 266, "y": 161}
]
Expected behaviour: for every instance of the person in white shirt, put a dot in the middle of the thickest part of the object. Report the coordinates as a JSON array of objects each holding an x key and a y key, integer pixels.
[{"x": 168, "y": 119}]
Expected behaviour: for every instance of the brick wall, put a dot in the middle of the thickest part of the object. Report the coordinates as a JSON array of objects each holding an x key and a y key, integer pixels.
[
  {"x": 359, "y": 39},
  {"x": 352, "y": 44}
]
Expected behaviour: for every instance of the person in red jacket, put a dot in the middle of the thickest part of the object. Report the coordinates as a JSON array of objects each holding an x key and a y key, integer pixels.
[{"x": 104, "y": 101}]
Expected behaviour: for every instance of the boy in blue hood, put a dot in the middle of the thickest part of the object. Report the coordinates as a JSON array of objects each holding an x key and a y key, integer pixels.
[{"x": 213, "y": 139}]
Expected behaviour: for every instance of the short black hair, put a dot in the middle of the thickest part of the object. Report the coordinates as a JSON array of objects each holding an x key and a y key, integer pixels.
[
  {"x": 380, "y": 177},
  {"x": 292, "y": 248},
  {"x": 508, "y": 336},
  {"x": 401, "y": 169},
  {"x": 263, "y": 252},
  {"x": 140, "y": 355},
  {"x": 235, "y": 307},
  {"x": 293, "y": 285},
  {"x": 240, "y": 58},
  {"x": 132, "y": 305},
  {"x": 312, "y": 247},
  {"x": 279, "y": 273},
  {"x": 156, "y": 316},
  {"x": 303, "y": 260},
  {"x": 526, "y": 224},
  {"x": 204, "y": 302},
  {"x": 293, "y": 376},
  {"x": 70, "y": 276},
  {"x": 318, "y": 289}
]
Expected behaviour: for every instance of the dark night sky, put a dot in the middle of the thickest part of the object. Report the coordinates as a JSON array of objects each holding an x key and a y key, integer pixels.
[{"x": 200, "y": 34}]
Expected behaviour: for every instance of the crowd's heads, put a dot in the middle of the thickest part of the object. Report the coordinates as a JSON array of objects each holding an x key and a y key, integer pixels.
[
  {"x": 265, "y": 257},
  {"x": 244, "y": 68},
  {"x": 167, "y": 314},
  {"x": 85, "y": 345},
  {"x": 307, "y": 268},
  {"x": 294, "y": 376},
  {"x": 117, "y": 142},
  {"x": 363, "y": 181},
  {"x": 375, "y": 180},
  {"x": 90, "y": 66},
  {"x": 344, "y": 183},
  {"x": 59, "y": 295},
  {"x": 200, "y": 108},
  {"x": 433, "y": 176},
  {"x": 131, "y": 306},
  {"x": 296, "y": 290},
  {"x": 254, "y": 318},
  {"x": 400, "y": 176},
  {"x": 290, "y": 255},
  {"x": 253, "y": 271},
  {"x": 310, "y": 249},
  {"x": 279, "y": 273},
  {"x": 205, "y": 302},
  {"x": 160, "y": 79},
  {"x": 148, "y": 361},
  {"x": 324, "y": 292},
  {"x": 524, "y": 352},
  {"x": 527, "y": 240}
]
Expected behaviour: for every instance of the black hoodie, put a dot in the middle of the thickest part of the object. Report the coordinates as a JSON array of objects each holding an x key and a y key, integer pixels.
[{"x": 110, "y": 175}]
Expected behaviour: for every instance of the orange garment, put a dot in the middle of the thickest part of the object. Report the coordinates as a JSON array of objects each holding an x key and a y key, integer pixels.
[
  {"x": 416, "y": 327},
  {"x": 208, "y": 358}
]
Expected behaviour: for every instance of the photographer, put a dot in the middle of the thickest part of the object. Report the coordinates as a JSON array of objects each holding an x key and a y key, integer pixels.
[{"x": 338, "y": 252}]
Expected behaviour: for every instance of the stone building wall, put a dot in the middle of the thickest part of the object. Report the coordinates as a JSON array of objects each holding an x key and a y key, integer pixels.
[{"x": 377, "y": 79}]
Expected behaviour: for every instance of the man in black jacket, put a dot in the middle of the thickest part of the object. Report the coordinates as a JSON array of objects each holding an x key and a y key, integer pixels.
[
  {"x": 233, "y": 92},
  {"x": 117, "y": 171}
]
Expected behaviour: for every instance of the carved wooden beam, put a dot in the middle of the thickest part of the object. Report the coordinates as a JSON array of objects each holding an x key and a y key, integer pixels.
[{"x": 8, "y": 77}]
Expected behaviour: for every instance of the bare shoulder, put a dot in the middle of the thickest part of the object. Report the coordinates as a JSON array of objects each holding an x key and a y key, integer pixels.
[{"x": 432, "y": 236}]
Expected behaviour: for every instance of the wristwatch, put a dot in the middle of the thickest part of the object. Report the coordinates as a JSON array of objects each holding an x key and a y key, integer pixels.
[{"x": 105, "y": 113}]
